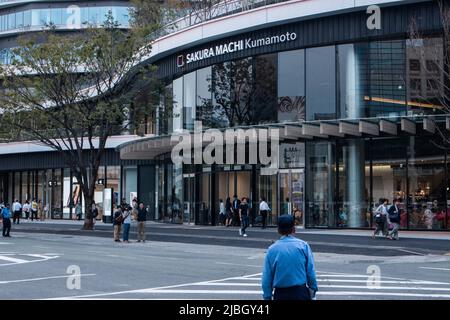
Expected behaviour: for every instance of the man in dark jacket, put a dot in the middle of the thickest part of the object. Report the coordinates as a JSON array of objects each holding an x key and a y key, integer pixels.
[
  {"x": 394, "y": 219},
  {"x": 117, "y": 223},
  {"x": 141, "y": 218}
]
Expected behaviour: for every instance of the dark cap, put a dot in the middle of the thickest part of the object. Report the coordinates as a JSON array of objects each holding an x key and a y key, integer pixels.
[{"x": 285, "y": 223}]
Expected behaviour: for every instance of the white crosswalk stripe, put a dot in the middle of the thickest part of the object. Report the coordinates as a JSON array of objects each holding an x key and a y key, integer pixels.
[
  {"x": 7, "y": 259},
  {"x": 331, "y": 286},
  {"x": 336, "y": 286}
]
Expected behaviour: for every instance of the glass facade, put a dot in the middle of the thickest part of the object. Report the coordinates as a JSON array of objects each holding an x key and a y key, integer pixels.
[
  {"x": 65, "y": 16},
  {"x": 71, "y": 17},
  {"x": 59, "y": 190}
]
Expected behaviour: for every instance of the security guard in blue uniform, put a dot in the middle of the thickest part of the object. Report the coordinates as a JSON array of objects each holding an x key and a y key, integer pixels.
[{"x": 289, "y": 266}]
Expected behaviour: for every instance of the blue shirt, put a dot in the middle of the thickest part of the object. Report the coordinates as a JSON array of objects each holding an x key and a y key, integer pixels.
[
  {"x": 6, "y": 214},
  {"x": 289, "y": 262}
]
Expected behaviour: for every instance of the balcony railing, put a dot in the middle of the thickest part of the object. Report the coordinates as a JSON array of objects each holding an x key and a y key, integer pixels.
[{"x": 222, "y": 9}]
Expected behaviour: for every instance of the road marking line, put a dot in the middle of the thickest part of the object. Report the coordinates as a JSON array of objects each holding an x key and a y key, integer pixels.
[
  {"x": 319, "y": 293},
  {"x": 384, "y": 281},
  {"x": 395, "y": 294},
  {"x": 413, "y": 252},
  {"x": 41, "y": 256},
  {"x": 203, "y": 291},
  {"x": 231, "y": 284},
  {"x": 384, "y": 288},
  {"x": 443, "y": 269},
  {"x": 47, "y": 278},
  {"x": 10, "y": 259},
  {"x": 157, "y": 288},
  {"x": 237, "y": 264}
]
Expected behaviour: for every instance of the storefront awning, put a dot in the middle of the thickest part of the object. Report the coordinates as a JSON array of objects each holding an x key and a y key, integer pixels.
[{"x": 150, "y": 147}]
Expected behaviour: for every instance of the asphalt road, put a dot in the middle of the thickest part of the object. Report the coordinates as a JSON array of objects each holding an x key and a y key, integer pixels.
[
  {"x": 208, "y": 263},
  {"x": 258, "y": 238}
]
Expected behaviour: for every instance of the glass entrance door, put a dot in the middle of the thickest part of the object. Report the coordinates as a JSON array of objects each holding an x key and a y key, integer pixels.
[
  {"x": 189, "y": 198},
  {"x": 292, "y": 201}
]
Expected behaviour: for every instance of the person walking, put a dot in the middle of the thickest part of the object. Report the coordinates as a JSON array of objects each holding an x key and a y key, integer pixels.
[
  {"x": 117, "y": 223},
  {"x": 94, "y": 211},
  {"x": 26, "y": 208},
  {"x": 126, "y": 214},
  {"x": 263, "y": 210},
  {"x": 17, "y": 211},
  {"x": 243, "y": 216},
  {"x": 34, "y": 210},
  {"x": 381, "y": 219},
  {"x": 235, "y": 208},
  {"x": 229, "y": 212},
  {"x": 6, "y": 216},
  {"x": 288, "y": 272},
  {"x": 222, "y": 216},
  {"x": 41, "y": 211},
  {"x": 394, "y": 218},
  {"x": 78, "y": 211},
  {"x": 141, "y": 219}
]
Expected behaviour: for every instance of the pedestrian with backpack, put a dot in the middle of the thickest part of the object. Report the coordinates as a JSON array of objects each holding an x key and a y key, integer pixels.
[
  {"x": 381, "y": 219},
  {"x": 394, "y": 218}
]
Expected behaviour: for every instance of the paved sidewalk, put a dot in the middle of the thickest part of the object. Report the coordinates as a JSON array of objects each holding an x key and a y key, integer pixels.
[{"x": 436, "y": 235}]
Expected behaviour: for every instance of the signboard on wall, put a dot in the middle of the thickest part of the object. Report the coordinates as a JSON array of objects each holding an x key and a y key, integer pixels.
[{"x": 292, "y": 155}]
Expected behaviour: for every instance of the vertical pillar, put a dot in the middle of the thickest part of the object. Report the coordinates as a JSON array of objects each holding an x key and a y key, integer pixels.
[{"x": 355, "y": 168}]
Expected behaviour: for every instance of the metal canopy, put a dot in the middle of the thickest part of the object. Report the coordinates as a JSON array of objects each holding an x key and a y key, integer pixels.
[{"x": 151, "y": 147}]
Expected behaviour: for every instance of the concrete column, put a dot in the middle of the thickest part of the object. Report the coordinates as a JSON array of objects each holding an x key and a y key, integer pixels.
[{"x": 354, "y": 162}]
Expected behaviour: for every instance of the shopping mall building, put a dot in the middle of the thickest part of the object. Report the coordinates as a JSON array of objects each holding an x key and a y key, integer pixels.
[{"x": 355, "y": 100}]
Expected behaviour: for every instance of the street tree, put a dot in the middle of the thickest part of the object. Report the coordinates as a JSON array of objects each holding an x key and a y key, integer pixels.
[{"x": 72, "y": 91}]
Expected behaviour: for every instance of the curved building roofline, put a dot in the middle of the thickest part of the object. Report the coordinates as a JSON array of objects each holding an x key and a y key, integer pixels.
[{"x": 262, "y": 17}]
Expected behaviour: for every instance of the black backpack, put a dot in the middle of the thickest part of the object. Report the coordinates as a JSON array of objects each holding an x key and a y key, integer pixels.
[{"x": 394, "y": 216}]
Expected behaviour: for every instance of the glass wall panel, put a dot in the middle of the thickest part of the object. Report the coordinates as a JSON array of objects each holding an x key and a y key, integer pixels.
[
  {"x": 291, "y": 86},
  {"x": 161, "y": 193},
  {"x": 189, "y": 100},
  {"x": 427, "y": 188},
  {"x": 11, "y": 196},
  {"x": 98, "y": 193},
  {"x": 389, "y": 173},
  {"x": 177, "y": 109},
  {"x": 320, "y": 166},
  {"x": 204, "y": 97},
  {"x": 353, "y": 84},
  {"x": 57, "y": 185},
  {"x": 386, "y": 79},
  {"x": 41, "y": 185},
  {"x": 268, "y": 190},
  {"x": 425, "y": 75},
  {"x": 264, "y": 104},
  {"x": 177, "y": 201},
  {"x": 68, "y": 204},
  {"x": 320, "y": 83},
  {"x": 130, "y": 184},
  {"x": 233, "y": 93},
  {"x": 170, "y": 192},
  {"x": 25, "y": 196},
  {"x": 204, "y": 216},
  {"x": 113, "y": 182}
]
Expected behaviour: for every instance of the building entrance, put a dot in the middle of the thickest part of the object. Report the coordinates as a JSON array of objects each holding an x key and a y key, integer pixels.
[{"x": 292, "y": 200}]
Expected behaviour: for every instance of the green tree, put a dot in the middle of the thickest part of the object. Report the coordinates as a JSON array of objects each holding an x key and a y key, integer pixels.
[{"x": 72, "y": 91}]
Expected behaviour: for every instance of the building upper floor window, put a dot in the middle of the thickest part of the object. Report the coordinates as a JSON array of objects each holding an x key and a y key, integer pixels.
[
  {"x": 25, "y": 19},
  {"x": 414, "y": 65}
]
